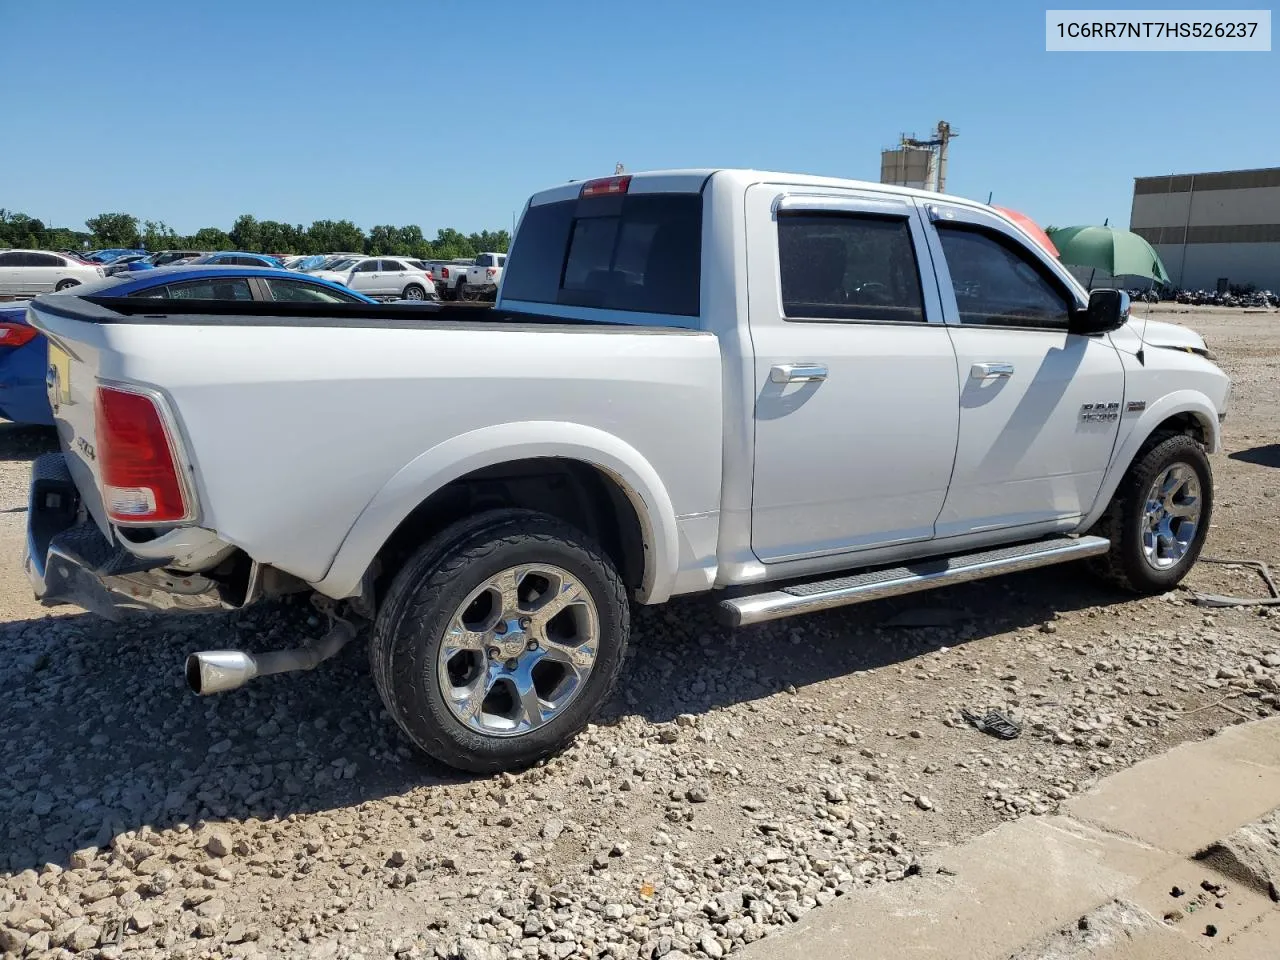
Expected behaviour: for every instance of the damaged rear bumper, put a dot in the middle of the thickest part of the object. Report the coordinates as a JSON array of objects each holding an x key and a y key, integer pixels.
[{"x": 69, "y": 560}]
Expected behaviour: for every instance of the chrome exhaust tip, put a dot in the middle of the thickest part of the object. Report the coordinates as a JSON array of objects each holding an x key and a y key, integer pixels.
[{"x": 216, "y": 671}]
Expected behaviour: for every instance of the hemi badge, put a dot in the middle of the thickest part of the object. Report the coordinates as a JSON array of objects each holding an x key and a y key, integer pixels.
[{"x": 1136, "y": 406}]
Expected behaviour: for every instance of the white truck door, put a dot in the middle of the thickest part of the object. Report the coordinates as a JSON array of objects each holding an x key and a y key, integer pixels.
[
  {"x": 857, "y": 402},
  {"x": 1039, "y": 406}
]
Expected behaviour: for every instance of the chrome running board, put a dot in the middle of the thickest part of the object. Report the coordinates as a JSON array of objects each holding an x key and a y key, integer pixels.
[{"x": 909, "y": 578}]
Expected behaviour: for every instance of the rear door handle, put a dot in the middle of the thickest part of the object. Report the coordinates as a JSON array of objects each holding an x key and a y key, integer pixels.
[
  {"x": 991, "y": 371},
  {"x": 798, "y": 372}
]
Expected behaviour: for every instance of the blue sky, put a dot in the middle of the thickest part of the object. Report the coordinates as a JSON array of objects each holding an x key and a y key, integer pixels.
[{"x": 446, "y": 113}]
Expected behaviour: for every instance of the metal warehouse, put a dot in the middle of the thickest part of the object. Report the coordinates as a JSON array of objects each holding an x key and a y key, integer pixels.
[{"x": 1213, "y": 229}]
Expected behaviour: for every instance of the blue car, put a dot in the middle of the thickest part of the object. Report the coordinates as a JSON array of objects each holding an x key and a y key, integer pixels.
[
  {"x": 234, "y": 258},
  {"x": 24, "y": 351},
  {"x": 111, "y": 254},
  {"x": 22, "y": 367}
]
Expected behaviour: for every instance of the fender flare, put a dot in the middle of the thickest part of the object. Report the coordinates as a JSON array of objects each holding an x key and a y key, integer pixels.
[
  {"x": 503, "y": 443},
  {"x": 1170, "y": 405}
]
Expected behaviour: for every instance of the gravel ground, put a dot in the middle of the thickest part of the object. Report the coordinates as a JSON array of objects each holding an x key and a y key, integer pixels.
[{"x": 737, "y": 781}]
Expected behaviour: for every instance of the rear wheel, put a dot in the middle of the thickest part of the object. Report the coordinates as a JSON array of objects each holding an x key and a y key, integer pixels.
[
  {"x": 1159, "y": 517},
  {"x": 414, "y": 292},
  {"x": 500, "y": 639},
  {"x": 461, "y": 291},
  {"x": 66, "y": 285}
]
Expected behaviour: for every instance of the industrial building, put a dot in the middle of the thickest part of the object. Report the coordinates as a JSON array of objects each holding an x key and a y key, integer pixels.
[{"x": 1213, "y": 230}]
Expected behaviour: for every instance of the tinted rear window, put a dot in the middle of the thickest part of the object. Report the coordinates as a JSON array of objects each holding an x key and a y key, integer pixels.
[{"x": 638, "y": 252}]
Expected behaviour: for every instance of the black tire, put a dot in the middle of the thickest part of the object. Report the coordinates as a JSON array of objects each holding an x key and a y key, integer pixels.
[
  {"x": 1125, "y": 564},
  {"x": 407, "y": 293},
  {"x": 460, "y": 292},
  {"x": 66, "y": 285},
  {"x": 427, "y": 592}
]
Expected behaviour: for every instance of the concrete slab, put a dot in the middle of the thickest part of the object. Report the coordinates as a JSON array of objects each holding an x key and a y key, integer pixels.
[
  {"x": 1255, "y": 742},
  {"x": 1013, "y": 885},
  {"x": 1183, "y": 800},
  {"x": 1229, "y": 907}
]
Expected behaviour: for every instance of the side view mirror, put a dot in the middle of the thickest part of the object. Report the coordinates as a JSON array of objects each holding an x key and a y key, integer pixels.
[{"x": 1108, "y": 310}]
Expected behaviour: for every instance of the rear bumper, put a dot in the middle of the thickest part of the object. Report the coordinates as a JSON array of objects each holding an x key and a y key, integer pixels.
[{"x": 69, "y": 561}]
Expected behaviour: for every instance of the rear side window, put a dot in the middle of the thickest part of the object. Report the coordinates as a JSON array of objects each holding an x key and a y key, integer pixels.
[
  {"x": 636, "y": 252},
  {"x": 842, "y": 266},
  {"x": 295, "y": 291}
]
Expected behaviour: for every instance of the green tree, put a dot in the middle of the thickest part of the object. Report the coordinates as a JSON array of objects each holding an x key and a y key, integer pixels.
[
  {"x": 114, "y": 229},
  {"x": 335, "y": 235},
  {"x": 246, "y": 235},
  {"x": 449, "y": 244},
  {"x": 490, "y": 241},
  {"x": 210, "y": 238},
  {"x": 157, "y": 235},
  {"x": 277, "y": 237},
  {"x": 382, "y": 240}
]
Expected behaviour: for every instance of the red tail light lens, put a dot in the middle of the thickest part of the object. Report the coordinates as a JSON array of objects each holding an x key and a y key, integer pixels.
[
  {"x": 141, "y": 482},
  {"x": 605, "y": 186},
  {"x": 491, "y": 272},
  {"x": 444, "y": 272},
  {"x": 16, "y": 334}
]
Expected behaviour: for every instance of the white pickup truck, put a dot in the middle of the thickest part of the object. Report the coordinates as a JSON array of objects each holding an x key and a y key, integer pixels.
[
  {"x": 790, "y": 392},
  {"x": 483, "y": 277}
]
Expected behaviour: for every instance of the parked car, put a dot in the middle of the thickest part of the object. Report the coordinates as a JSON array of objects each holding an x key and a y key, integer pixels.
[
  {"x": 24, "y": 351},
  {"x": 28, "y": 273},
  {"x": 778, "y": 389},
  {"x": 235, "y": 258},
  {"x": 481, "y": 280},
  {"x": 22, "y": 368},
  {"x": 111, "y": 254},
  {"x": 401, "y": 277},
  {"x": 448, "y": 274},
  {"x": 164, "y": 258},
  {"x": 122, "y": 264}
]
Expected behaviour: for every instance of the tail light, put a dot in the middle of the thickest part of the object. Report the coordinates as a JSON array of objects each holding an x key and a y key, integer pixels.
[
  {"x": 491, "y": 272},
  {"x": 137, "y": 457},
  {"x": 444, "y": 272},
  {"x": 605, "y": 186},
  {"x": 16, "y": 334}
]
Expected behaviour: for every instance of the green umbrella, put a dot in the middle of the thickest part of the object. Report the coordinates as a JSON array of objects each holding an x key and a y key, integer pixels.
[{"x": 1118, "y": 252}]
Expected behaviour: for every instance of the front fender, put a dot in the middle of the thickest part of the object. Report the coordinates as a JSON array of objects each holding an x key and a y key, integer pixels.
[
  {"x": 504, "y": 443},
  {"x": 1170, "y": 405}
]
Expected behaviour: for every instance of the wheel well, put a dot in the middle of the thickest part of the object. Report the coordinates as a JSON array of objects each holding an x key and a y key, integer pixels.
[
  {"x": 1183, "y": 423},
  {"x": 575, "y": 492}
]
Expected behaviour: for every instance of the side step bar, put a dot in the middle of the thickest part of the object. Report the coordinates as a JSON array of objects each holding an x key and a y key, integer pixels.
[{"x": 910, "y": 578}]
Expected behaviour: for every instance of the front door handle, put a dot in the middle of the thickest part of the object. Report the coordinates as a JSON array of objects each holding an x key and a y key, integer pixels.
[
  {"x": 798, "y": 372},
  {"x": 991, "y": 371}
]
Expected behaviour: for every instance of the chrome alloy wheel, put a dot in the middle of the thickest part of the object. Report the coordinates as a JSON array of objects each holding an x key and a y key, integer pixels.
[
  {"x": 1171, "y": 516},
  {"x": 518, "y": 650}
]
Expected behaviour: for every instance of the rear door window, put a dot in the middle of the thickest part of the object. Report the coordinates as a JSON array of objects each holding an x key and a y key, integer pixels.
[
  {"x": 298, "y": 291},
  {"x": 846, "y": 266},
  {"x": 637, "y": 252}
]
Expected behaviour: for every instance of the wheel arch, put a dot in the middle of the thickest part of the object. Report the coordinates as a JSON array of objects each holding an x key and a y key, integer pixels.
[
  {"x": 604, "y": 485},
  {"x": 1186, "y": 412}
]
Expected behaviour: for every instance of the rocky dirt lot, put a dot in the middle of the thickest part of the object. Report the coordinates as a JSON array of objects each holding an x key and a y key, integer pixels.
[{"x": 737, "y": 781}]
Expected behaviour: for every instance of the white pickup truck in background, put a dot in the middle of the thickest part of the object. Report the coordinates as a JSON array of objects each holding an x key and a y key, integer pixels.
[
  {"x": 482, "y": 279},
  {"x": 790, "y": 392},
  {"x": 450, "y": 275}
]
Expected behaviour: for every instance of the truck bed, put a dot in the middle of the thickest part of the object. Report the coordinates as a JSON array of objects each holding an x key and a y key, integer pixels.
[{"x": 302, "y": 423}]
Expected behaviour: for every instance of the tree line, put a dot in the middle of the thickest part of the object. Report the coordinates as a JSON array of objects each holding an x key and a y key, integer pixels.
[{"x": 249, "y": 234}]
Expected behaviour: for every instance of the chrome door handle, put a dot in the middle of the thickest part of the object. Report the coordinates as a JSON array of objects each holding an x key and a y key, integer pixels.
[
  {"x": 991, "y": 371},
  {"x": 798, "y": 372}
]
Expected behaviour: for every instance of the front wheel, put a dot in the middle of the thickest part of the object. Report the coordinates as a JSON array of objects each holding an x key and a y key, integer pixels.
[
  {"x": 1159, "y": 517},
  {"x": 499, "y": 640}
]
